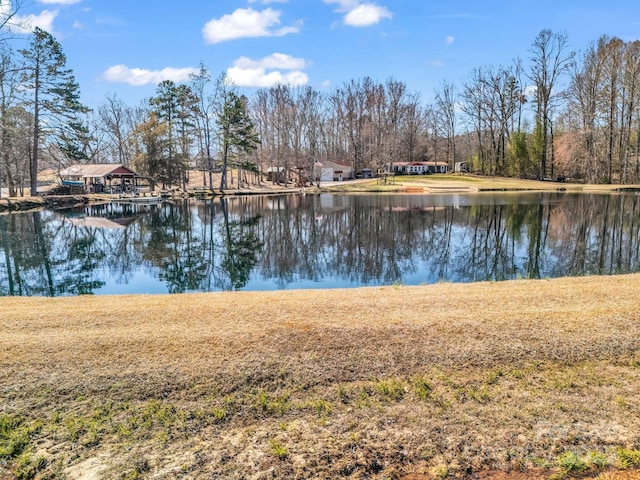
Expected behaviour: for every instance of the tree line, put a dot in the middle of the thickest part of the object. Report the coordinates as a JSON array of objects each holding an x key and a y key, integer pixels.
[{"x": 559, "y": 114}]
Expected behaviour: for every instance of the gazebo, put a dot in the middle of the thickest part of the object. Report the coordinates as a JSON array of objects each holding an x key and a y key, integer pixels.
[{"x": 102, "y": 177}]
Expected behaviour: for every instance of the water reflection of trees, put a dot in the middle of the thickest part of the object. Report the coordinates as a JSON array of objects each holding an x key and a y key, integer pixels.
[
  {"x": 200, "y": 246},
  {"x": 345, "y": 240},
  {"x": 46, "y": 258},
  {"x": 367, "y": 240}
]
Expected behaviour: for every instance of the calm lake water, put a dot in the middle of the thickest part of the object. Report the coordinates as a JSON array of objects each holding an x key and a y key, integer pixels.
[{"x": 317, "y": 241}]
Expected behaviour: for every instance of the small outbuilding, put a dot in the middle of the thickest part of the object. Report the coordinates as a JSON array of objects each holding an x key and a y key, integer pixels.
[
  {"x": 333, "y": 171},
  {"x": 277, "y": 174},
  {"x": 461, "y": 167}
]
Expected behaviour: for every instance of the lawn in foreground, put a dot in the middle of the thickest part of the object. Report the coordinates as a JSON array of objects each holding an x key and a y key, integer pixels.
[{"x": 439, "y": 380}]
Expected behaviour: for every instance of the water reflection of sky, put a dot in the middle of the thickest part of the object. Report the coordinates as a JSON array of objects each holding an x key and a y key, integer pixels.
[{"x": 139, "y": 282}]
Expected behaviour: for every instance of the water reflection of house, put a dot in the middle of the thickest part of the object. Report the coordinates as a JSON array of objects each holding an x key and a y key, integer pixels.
[
  {"x": 101, "y": 222},
  {"x": 419, "y": 168},
  {"x": 103, "y": 177},
  {"x": 109, "y": 215},
  {"x": 330, "y": 202},
  {"x": 279, "y": 202}
]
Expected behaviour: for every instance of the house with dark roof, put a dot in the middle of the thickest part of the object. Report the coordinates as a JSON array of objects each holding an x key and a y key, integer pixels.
[{"x": 419, "y": 168}]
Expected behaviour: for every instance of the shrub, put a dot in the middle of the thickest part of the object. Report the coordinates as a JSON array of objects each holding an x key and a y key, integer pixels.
[
  {"x": 628, "y": 458},
  {"x": 570, "y": 462}
]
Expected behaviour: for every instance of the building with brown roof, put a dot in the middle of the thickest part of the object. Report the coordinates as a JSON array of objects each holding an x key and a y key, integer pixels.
[{"x": 103, "y": 177}]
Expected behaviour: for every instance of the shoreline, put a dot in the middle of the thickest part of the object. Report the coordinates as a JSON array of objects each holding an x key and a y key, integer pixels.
[
  {"x": 406, "y": 184},
  {"x": 431, "y": 382}
]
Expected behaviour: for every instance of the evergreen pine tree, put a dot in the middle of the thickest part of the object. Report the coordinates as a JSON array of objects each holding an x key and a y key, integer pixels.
[
  {"x": 55, "y": 94},
  {"x": 237, "y": 132}
]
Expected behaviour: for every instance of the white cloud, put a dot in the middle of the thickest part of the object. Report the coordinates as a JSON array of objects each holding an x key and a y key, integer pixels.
[
  {"x": 450, "y": 39},
  {"x": 27, "y": 23},
  {"x": 365, "y": 15},
  {"x": 246, "y": 23},
  {"x": 268, "y": 71},
  {"x": 139, "y": 76},
  {"x": 361, "y": 14},
  {"x": 273, "y": 61},
  {"x": 259, "y": 78},
  {"x": 530, "y": 91}
]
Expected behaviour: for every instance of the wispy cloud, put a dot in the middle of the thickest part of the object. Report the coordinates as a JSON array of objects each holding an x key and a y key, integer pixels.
[
  {"x": 26, "y": 23},
  {"x": 247, "y": 23},
  {"x": 139, "y": 76},
  {"x": 361, "y": 14},
  {"x": 275, "y": 60},
  {"x": 450, "y": 39},
  {"x": 278, "y": 68}
]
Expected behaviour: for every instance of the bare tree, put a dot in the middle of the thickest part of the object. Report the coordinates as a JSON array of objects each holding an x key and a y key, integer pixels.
[
  {"x": 397, "y": 95},
  {"x": 630, "y": 110},
  {"x": 9, "y": 96},
  {"x": 446, "y": 109},
  {"x": 550, "y": 60},
  {"x": 412, "y": 128},
  {"x": 208, "y": 105},
  {"x": 118, "y": 124},
  {"x": 584, "y": 89},
  {"x": 9, "y": 20}
]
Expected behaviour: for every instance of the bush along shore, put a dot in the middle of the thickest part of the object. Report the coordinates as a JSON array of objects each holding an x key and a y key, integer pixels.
[{"x": 535, "y": 378}]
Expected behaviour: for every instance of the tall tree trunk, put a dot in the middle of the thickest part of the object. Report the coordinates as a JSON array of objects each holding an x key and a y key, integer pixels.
[{"x": 36, "y": 135}]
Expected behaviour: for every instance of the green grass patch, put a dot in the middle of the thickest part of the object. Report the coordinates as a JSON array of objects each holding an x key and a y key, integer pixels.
[
  {"x": 278, "y": 449},
  {"x": 390, "y": 389},
  {"x": 628, "y": 458},
  {"x": 422, "y": 388},
  {"x": 272, "y": 404},
  {"x": 15, "y": 435},
  {"x": 570, "y": 462}
]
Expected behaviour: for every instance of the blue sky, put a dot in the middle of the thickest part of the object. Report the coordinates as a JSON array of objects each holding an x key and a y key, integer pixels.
[{"x": 125, "y": 47}]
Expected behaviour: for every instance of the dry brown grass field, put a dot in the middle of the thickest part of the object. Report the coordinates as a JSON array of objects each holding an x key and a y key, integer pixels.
[{"x": 520, "y": 379}]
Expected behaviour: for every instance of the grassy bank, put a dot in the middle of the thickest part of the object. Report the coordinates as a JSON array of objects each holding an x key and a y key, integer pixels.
[
  {"x": 443, "y": 380},
  {"x": 463, "y": 183}
]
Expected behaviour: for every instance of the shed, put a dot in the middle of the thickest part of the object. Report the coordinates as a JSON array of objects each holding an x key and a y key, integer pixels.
[
  {"x": 276, "y": 174},
  {"x": 365, "y": 173},
  {"x": 461, "y": 167},
  {"x": 336, "y": 171}
]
